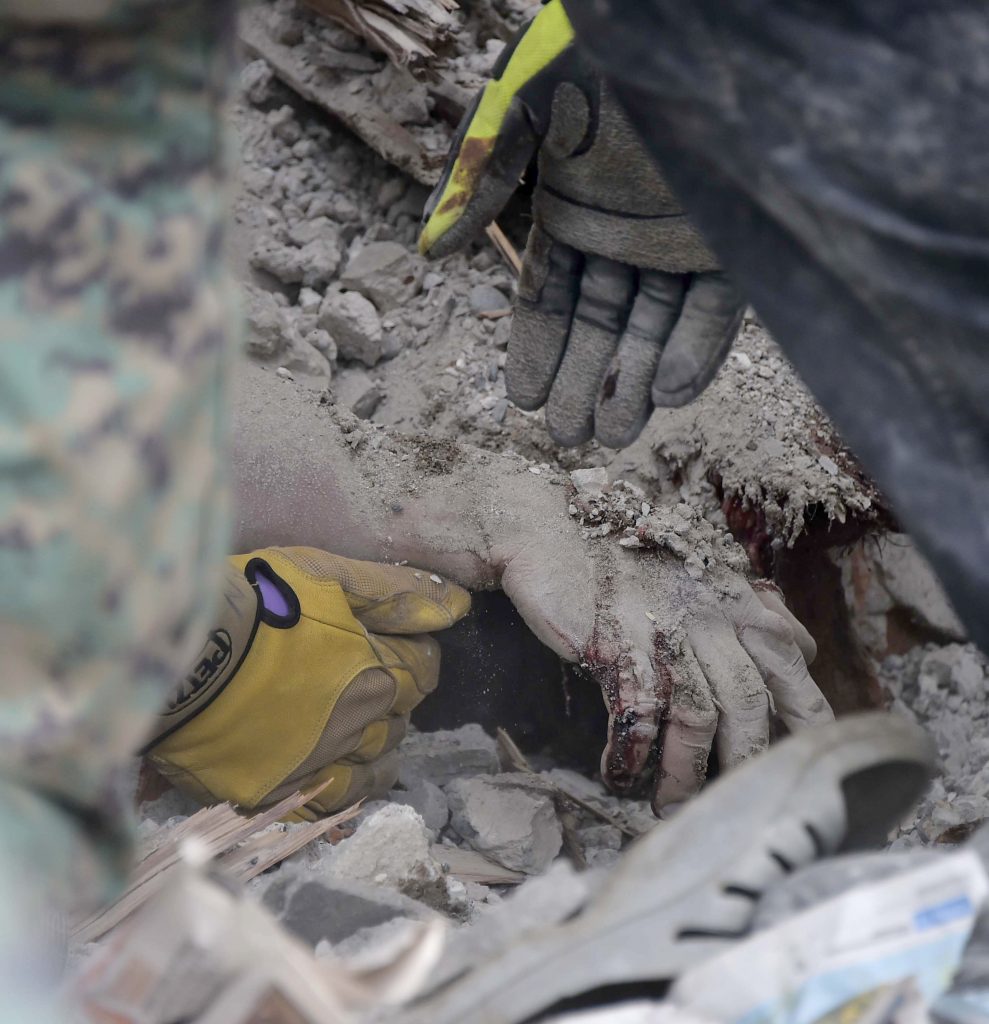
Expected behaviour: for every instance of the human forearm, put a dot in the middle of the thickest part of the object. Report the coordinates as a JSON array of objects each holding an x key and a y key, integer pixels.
[{"x": 448, "y": 507}]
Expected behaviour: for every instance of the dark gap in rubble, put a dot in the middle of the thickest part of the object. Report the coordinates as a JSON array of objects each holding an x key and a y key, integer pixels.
[
  {"x": 812, "y": 583},
  {"x": 494, "y": 671}
]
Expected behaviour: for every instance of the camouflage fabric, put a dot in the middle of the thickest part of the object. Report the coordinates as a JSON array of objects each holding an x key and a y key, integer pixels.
[{"x": 116, "y": 326}]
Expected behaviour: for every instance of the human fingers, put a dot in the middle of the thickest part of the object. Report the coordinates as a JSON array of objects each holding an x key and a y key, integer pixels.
[
  {"x": 772, "y": 601},
  {"x": 625, "y": 400},
  {"x": 544, "y": 311},
  {"x": 606, "y": 290},
  {"x": 738, "y": 689},
  {"x": 769, "y": 642},
  {"x": 686, "y": 740},
  {"x": 704, "y": 332}
]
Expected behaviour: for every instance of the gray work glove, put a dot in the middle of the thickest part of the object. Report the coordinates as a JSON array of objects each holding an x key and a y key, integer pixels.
[{"x": 621, "y": 306}]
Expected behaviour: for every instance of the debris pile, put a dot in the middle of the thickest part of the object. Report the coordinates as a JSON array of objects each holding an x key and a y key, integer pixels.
[
  {"x": 468, "y": 822},
  {"x": 946, "y": 689},
  {"x": 683, "y": 530}
]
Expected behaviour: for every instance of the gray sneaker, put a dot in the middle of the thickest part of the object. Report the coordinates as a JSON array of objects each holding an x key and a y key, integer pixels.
[{"x": 689, "y": 887}]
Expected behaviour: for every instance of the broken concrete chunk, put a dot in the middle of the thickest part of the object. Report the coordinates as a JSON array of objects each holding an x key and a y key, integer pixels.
[
  {"x": 267, "y": 326},
  {"x": 515, "y": 827},
  {"x": 366, "y": 403},
  {"x": 320, "y": 262},
  {"x": 401, "y": 95},
  {"x": 391, "y": 190},
  {"x": 440, "y": 757},
  {"x": 310, "y": 300},
  {"x": 255, "y": 81},
  {"x": 590, "y": 482},
  {"x": 486, "y": 299},
  {"x": 354, "y": 325},
  {"x": 391, "y": 848},
  {"x": 317, "y": 908},
  {"x": 600, "y": 837},
  {"x": 386, "y": 273},
  {"x": 428, "y": 800},
  {"x": 311, "y": 229},
  {"x": 283, "y": 262}
]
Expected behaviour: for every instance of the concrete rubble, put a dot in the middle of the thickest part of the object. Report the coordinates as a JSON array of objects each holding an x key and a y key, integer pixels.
[
  {"x": 444, "y": 756},
  {"x": 339, "y": 302},
  {"x": 946, "y": 689},
  {"x": 512, "y": 823}
]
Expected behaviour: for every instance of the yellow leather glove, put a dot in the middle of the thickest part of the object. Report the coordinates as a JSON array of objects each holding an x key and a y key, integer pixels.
[{"x": 309, "y": 676}]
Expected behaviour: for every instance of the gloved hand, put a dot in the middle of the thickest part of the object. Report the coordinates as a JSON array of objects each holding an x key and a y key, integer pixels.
[
  {"x": 308, "y": 677},
  {"x": 621, "y": 307}
]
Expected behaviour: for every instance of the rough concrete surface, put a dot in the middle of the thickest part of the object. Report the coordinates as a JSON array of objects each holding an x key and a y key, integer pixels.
[
  {"x": 516, "y": 827},
  {"x": 441, "y": 757}
]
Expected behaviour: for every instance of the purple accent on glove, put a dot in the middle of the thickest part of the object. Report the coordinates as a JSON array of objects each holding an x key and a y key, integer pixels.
[{"x": 272, "y": 599}]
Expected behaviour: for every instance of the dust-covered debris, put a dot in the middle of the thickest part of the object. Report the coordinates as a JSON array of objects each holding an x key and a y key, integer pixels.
[
  {"x": 392, "y": 848},
  {"x": 757, "y": 437},
  {"x": 443, "y": 756},
  {"x": 620, "y": 509},
  {"x": 506, "y": 820},
  {"x": 895, "y": 599},
  {"x": 318, "y": 907},
  {"x": 946, "y": 689},
  {"x": 428, "y": 801}
]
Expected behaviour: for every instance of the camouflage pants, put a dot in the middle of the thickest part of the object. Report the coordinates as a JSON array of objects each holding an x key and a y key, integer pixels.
[{"x": 116, "y": 328}]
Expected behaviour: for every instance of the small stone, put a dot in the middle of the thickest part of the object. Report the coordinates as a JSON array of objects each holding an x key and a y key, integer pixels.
[
  {"x": 317, "y": 907},
  {"x": 514, "y": 827},
  {"x": 353, "y": 322},
  {"x": 386, "y": 273},
  {"x": 320, "y": 262},
  {"x": 311, "y": 229},
  {"x": 828, "y": 465},
  {"x": 284, "y": 125},
  {"x": 256, "y": 80},
  {"x": 428, "y": 800},
  {"x": 590, "y": 482},
  {"x": 367, "y": 403},
  {"x": 439, "y": 757},
  {"x": 322, "y": 342},
  {"x": 741, "y": 360},
  {"x": 435, "y": 578},
  {"x": 600, "y": 837},
  {"x": 392, "y": 848},
  {"x": 391, "y": 191},
  {"x": 268, "y": 329},
  {"x": 309, "y": 300},
  {"x": 284, "y": 373},
  {"x": 283, "y": 262},
  {"x": 484, "y": 298},
  {"x": 432, "y": 280}
]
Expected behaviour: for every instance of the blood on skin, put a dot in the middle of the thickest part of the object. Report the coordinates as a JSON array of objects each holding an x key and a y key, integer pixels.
[{"x": 624, "y": 755}]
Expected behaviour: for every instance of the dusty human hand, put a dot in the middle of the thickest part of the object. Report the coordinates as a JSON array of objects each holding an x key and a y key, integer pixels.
[
  {"x": 621, "y": 306},
  {"x": 688, "y": 654}
]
